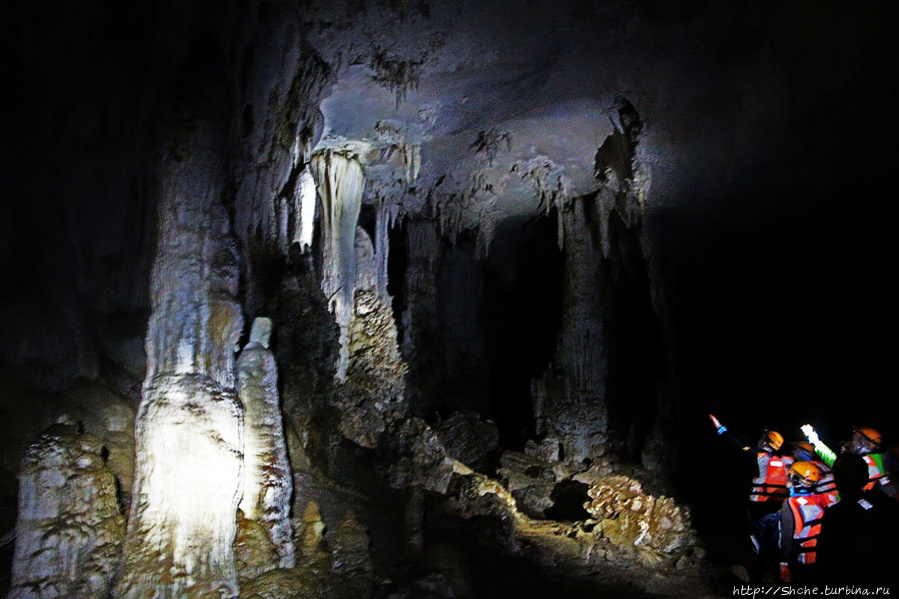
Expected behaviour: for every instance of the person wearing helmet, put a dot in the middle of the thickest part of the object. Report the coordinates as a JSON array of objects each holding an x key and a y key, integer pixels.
[
  {"x": 770, "y": 485},
  {"x": 803, "y": 451},
  {"x": 865, "y": 442},
  {"x": 858, "y": 534},
  {"x": 766, "y": 496},
  {"x": 800, "y": 522}
]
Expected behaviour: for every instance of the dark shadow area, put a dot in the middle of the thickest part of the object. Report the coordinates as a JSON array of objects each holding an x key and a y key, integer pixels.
[
  {"x": 522, "y": 305},
  {"x": 569, "y": 497},
  {"x": 634, "y": 343},
  {"x": 397, "y": 264}
]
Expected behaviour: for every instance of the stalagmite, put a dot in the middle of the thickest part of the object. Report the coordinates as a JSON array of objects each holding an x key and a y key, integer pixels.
[
  {"x": 420, "y": 319},
  {"x": 189, "y": 430},
  {"x": 340, "y": 183},
  {"x": 69, "y": 531},
  {"x": 267, "y": 478}
]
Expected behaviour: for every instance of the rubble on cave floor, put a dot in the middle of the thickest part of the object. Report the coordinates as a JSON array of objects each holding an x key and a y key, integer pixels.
[
  {"x": 477, "y": 541},
  {"x": 638, "y": 544}
]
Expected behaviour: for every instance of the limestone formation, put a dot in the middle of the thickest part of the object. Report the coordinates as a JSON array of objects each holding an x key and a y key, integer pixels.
[
  {"x": 420, "y": 320},
  {"x": 408, "y": 165},
  {"x": 570, "y": 401},
  {"x": 629, "y": 517},
  {"x": 267, "y": 484},
  {"x": 340, "y": 181},
  {"x": 70, "y": 530},
  {"x": 189, "y": 431},
  {"x": 350, "y": 551},
  {"x": 418, "y": 459},
  {"x": 530, "y": 481},
  {"x": 254, "y": 552},
  {"x": 305, "y": 207},
  {"x": 372, "y": 395},
  {"x": 311, "y": 533}
]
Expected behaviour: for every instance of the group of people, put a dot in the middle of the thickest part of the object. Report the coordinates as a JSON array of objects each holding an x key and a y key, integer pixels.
[{"x": 819, "y": 517}]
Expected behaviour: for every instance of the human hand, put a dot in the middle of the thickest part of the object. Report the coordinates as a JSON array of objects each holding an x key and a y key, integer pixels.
[
  {"x": 717, "y": 424},
  {"x": 810, "y": 433},
  {"x": 785, "y": 573}
]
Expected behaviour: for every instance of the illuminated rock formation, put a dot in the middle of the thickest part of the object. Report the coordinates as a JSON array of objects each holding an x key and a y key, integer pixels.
[
  {"x": 70, "y": 531},
  {"x": 629, "y": 517},
  {"x": 571, "y": 402},
  {"x": 189, "y": 431},
  {"x": 267, "y": 479},
  {"x": 340, "y": 185},
  {"x": 304, "y": 206}
]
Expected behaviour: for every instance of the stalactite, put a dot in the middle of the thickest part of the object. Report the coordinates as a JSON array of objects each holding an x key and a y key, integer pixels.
[
  {"x": 341, "y": 184},
  {"x": 190, "y": 422},
  {"x": 385, "y": 219},
  {"x": 284, "y": 236},
  {"x": 304, "y": 209},
  {"x": 411, "y": 161},
  {"x": 267, "y": 478}
]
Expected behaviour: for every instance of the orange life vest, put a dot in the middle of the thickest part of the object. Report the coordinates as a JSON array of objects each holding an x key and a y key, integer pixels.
[
  {"x": 807, "y": 512},
  {"x": 771, "y": 483}
]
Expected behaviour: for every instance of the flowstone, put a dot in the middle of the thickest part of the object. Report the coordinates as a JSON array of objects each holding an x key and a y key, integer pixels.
[{"x": 70, "y": 530}]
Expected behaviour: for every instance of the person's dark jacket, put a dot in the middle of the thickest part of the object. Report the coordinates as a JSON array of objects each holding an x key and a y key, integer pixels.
[{"x": 859, "y": 536}]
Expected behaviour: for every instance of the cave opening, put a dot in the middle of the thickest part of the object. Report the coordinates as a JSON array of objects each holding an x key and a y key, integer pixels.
[{"x": 522, "y": 304}]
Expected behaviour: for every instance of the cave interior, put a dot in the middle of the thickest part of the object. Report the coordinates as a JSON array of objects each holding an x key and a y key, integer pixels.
[{"x": 509, "y": 252}]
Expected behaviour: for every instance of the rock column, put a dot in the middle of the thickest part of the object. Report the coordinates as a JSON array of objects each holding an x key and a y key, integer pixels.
[
  {"x": 570, "y": 398},
  {"x": 189, "y": 430}
]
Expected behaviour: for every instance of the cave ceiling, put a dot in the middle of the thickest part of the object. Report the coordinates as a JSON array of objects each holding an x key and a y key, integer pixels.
[
  {"x": 509, "y": 104},
  {"x": 467, "y": 111}
]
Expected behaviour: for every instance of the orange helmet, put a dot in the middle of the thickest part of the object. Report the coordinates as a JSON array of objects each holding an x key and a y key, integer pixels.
[
  {"x": 870, "y": 434},
  {"x": 805, "y": 473},
  {"x": 775, "y": 439}
]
